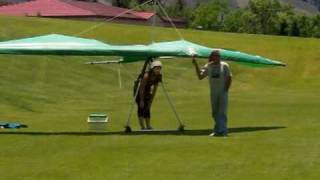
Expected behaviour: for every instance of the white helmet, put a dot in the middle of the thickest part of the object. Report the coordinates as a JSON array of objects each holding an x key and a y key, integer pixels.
[{"x": 155, "y": 64}]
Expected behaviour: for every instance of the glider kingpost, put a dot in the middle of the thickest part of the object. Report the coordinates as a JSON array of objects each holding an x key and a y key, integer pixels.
[{"x": 56, "y": 44}]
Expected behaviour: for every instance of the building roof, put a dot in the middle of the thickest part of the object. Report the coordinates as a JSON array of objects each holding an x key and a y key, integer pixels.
[{"x": 64, "y": 8}]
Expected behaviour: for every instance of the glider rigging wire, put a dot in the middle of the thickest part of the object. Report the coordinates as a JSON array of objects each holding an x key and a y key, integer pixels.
[
  {"x": 111, "y": 19},
  {"x": 152, "y": 33},
  {"x": 155, "y": 2},
  {"x": 170, "y": 20}
]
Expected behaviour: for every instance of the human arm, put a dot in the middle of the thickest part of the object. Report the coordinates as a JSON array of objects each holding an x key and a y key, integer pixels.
[
  {"x": 142, "y": 90},
  {"x": 228, "y": 83},
  {"x": 200, "y": 73},
  {"x": 154, "y": 91},
  {"x": 228, "y": 77}
]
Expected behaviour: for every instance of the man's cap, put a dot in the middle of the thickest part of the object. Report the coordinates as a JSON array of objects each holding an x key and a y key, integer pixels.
[
  {"x": 215, "y": 53},
  {"x": 155, "y": 64}
]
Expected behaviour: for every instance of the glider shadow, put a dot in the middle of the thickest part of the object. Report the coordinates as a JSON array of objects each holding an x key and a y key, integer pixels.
[{"x": 193, "y": 132}]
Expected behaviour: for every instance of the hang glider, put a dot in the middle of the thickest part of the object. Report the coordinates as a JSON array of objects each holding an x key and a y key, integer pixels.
[{"x": 55, "y": 44}]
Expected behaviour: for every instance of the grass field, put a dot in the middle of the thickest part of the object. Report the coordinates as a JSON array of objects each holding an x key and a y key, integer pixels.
[{"x": 274, "y": 117}]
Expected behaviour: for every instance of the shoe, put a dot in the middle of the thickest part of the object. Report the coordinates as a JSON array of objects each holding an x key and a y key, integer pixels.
[{"x": 218, "y": 135}]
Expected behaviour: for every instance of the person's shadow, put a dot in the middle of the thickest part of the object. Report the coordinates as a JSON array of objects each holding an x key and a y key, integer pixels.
[{"x": 191, "y": 132}]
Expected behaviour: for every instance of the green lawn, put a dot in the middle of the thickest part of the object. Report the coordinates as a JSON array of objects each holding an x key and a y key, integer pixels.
[{"x": 274, "y": 117}]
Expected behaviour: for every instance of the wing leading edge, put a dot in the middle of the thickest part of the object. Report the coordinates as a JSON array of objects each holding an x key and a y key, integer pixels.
[{"x": 56, "y": 44}]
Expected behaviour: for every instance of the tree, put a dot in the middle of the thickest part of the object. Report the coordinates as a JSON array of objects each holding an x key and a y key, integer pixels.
[
  {"x": 210, "y": 15},
  {"x": 294, "y": 28},
  {"x": 233, "y": 21},
  {"x": 177, "y": 10},
  {"x": 121, "y": 3},
  {"x": 305, "y": 25},
  {"x": 265, "y": 13},
  {"x": 285, "y": 18},
  {"x": 316, "y": 26}
]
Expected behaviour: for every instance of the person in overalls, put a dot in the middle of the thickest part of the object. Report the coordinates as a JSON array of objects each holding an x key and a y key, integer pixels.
[
  {"x": 220, "y": 78},
  {"x": 146, "y": 93}
]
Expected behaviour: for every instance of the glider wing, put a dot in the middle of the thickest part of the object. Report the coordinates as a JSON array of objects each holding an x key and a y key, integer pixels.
[{"x": 56, "y": 44}]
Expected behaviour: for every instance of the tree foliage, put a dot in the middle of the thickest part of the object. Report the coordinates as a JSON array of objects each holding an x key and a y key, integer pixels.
[
  {"x": 259, "y": 17},
  {"x": 210, "y": 15}
]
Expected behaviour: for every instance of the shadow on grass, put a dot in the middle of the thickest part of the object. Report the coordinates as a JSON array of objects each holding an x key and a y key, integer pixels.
[{"x": 193, "y": 132}]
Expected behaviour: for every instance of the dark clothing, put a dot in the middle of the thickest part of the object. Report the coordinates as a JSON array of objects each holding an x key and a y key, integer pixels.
[{"x": 145, "y": 111}]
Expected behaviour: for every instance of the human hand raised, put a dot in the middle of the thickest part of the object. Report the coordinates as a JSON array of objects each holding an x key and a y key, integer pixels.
[{"x": 194, "y": 59}]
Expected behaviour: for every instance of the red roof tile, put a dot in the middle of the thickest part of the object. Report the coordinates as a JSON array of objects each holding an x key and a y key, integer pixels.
[
  {"x": 144, "y": 15},
  {"x": 44, "y": 8},
  {"x": 100, "y": 9},
  {"x": 56, "y": 8}
]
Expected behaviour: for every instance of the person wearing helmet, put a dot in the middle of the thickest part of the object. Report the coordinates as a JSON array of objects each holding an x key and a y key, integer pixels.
[
  {"x": 220, "y": 78},
  {"x": 146, "y": 92}
]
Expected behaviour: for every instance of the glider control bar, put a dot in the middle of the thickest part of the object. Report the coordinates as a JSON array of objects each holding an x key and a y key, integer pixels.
[
  {"x": 104, "y": 62},
  {"x": 110, "y": 62}
]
